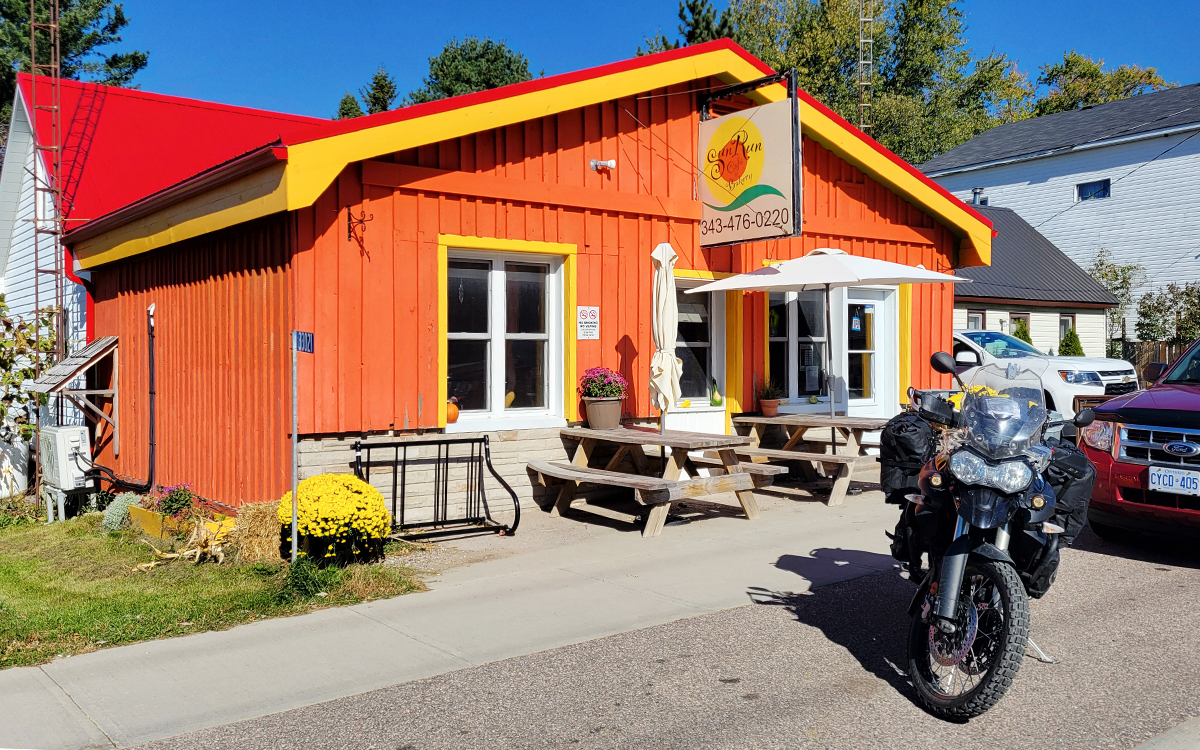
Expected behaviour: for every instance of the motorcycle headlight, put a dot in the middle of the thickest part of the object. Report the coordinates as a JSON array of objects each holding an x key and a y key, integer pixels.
[
  {"x": 969, "y": 468},
  {"x": 1098, "y": 435},
  {"x": 1010, "y": 476},
  {"x": 1076, "y": 377}
]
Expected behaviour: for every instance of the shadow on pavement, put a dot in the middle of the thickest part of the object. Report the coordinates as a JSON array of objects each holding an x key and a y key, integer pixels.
[
  {"x": 1148, "y": 548},
  {"x": 867, "y": 615}
]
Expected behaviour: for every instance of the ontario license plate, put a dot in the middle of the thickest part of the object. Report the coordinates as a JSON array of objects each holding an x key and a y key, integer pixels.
[{"x": 1174, "y": 480}]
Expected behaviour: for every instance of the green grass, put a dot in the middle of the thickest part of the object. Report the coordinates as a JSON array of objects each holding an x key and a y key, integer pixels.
[{"x": 69, "y": 588}]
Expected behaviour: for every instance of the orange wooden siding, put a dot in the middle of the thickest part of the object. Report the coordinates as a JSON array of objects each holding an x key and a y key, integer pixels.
[
  {"x": 372, "y": 300},
  {"x": 222, "y": 306}
]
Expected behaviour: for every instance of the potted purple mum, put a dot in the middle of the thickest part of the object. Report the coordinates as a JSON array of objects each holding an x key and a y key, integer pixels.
[{"x": 603, "y": 390}]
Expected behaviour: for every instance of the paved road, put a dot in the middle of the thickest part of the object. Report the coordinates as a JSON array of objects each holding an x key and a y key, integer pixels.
[{"x": 820, "y": 670}]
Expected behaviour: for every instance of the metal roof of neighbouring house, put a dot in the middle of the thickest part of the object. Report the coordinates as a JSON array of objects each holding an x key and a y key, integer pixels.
[
  {"x": 1043, "y": 136},
  {"x": 1027, "y": 267}
]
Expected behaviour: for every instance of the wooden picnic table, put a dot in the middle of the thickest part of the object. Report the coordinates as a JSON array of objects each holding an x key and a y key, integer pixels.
[
  {"x": 658, "y": 491},
  {"x": 838, "y": 466}
]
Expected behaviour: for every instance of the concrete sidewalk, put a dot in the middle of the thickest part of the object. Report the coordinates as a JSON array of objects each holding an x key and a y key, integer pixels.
[{"x": 610, "y": 582}]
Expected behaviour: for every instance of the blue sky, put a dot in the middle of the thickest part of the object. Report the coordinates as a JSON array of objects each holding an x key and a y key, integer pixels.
[{"x": 302, "y": 55}]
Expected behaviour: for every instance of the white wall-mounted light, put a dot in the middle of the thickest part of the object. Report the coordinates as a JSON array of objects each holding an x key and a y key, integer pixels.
[{"x": 597, "y": 165}]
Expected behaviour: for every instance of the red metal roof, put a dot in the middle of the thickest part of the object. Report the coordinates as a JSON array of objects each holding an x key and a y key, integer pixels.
[{"x": 120, "y": 145}]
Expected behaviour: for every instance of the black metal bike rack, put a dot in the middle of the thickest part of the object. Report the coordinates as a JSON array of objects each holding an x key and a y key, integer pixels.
[{"x": 473, "y": 454}]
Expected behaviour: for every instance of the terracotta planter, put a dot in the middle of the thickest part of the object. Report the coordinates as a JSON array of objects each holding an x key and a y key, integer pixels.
[
  {"x": 770, "y": 406},
  {"x": 603, "y": 413}
]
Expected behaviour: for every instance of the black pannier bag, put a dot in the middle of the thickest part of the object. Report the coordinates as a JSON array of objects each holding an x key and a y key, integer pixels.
[
  {"x": 1072, "y": 476},
  {"x": 905, "y": 445}
]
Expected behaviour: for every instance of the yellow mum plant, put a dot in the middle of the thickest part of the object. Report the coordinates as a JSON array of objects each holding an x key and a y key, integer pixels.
[{"x": 342, "y": 515}]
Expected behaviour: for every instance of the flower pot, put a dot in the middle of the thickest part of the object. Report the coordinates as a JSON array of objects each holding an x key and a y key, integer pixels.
[
  {"x": 770, "y": 406},
  {"x": 156, "y": 524},
  {"x": 603, "y": 413}
]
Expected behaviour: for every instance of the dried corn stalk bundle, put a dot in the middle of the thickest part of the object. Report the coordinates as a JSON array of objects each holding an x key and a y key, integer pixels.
[{"x": 256, "y": 535}]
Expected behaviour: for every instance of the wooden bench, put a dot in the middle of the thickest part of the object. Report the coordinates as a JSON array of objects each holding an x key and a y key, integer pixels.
[
  {"x": 656, "y": 493},
  {"x": 843, "y": 466}
]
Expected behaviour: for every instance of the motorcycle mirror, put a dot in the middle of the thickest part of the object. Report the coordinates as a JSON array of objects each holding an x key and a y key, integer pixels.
[
  {"x": 943, "y": 363},
  {"x": 1084, "y": 418}
]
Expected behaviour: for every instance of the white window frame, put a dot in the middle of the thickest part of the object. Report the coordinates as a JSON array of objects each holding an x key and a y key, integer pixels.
[
  {"x": 497, "y": 417},
  {"x": 716, "y": 338},
  {"x": 794, "y": 339}
]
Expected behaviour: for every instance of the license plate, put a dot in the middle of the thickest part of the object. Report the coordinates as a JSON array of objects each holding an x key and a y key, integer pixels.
[{"x": 1174, "y": 480}]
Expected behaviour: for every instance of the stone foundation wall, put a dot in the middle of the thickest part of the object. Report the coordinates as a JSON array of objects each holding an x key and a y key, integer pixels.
[{"x": 510, "y": 450}]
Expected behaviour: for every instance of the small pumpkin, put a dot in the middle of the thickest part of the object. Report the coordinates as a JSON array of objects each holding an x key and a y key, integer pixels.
[{"x": 452, "y": 410}]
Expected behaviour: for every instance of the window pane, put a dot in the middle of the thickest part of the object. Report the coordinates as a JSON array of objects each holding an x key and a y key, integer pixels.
[
  {"x": 811, "y": 371},
  {"x": 694, "y": 382},
  {"x": 974, "y": 321},
  {"x": 524, "y": 374},
  {"x": 693, "y": 318},
  {"x": 860, "y": 324},
  {"x": 467, "y": 373},
  {"x": 858, "y": 379},
  {"x": 467, "y": 295},
  {"x": 812, "y": 314},
  {"x": 1091, "y": 190},
  {"x": 526, "y": 297},
  {"x": 780, "y": 372},
  {"x": 777, "y": 316}
]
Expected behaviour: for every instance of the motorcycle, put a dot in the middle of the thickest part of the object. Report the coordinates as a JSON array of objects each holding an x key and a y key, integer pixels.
[{"x": 983, "y": 517}]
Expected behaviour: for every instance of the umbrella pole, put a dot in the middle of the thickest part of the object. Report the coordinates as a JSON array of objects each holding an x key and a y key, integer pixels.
[{"x": 829, "y": 373}]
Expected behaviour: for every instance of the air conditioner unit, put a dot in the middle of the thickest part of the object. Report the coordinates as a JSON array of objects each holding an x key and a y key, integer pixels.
[{"x": 59, "y": 448}]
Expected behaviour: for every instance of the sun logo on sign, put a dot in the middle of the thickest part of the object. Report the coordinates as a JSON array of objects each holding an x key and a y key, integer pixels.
[{"x": 734, "y": 163}]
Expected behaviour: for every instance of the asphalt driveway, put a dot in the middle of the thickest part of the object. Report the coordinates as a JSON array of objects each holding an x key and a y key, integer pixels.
[{"x": 817, "y": 670}]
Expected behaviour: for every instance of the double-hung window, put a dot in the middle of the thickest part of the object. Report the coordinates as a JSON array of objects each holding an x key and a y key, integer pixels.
[
  {"x": 694, "y": 345},
  {"x": 503, "y": 341},
  {"x": 796, "y": 341}
]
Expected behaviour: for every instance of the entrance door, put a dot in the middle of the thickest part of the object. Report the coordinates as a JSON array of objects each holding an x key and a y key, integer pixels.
[{"x": 870, "y": 368}]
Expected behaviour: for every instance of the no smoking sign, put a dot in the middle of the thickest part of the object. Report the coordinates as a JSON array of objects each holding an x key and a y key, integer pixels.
[{"x": 587, "y": 321}]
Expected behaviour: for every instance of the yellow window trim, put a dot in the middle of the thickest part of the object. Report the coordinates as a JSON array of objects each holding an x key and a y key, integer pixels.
[
  {"x": 567, "y": 251},
  {"x": 703, "y": 275},
  {"x": 905, "y": 341},
  {"x": 733, "y": 357}
]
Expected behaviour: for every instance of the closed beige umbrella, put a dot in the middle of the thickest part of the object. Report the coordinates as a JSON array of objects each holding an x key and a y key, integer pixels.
[{"x": 665, "y": 367}]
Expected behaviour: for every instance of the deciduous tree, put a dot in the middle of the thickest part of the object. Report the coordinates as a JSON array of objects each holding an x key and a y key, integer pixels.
[
  {"x": 1079, "y": 81},
  {"x": 1120, "y": 281}
]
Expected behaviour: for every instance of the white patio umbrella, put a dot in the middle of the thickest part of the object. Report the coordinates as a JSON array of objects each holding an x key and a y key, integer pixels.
[
  {"x": 826, "y": 268},
  {"x": 665, "y": 367}
]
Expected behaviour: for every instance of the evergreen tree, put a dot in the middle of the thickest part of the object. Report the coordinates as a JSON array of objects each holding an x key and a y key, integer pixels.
[
  {"x": 86, "y": 28},
  {"x": 468, "y": 66},
  {"x": 348, "y": 108},
  {"x": 1020, "y": 330},
  {"x": 699, "y": 23},
  {"x": 1079, "y": 81},
  {"x": 382, "y": 92},
  {"x": 1070, "y": 346}
]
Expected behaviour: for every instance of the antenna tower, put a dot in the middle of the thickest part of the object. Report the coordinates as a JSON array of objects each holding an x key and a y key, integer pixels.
[
  {"x": 866, "y": 62},
  {"x": 45, "y": 63}
]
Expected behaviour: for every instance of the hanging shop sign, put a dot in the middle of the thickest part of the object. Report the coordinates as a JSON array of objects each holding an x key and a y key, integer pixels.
[{"x": 748, "y": 187}]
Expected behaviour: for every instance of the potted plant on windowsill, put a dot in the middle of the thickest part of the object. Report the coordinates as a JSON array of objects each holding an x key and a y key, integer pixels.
[
  {"x": 769, "y": 395},
  {"x": 603, "y": 392}
]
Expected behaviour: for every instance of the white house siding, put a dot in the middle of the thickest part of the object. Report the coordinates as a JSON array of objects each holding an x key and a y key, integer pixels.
[
  {"x": 19, "y": 267},
  {"x": 1149, "y": 220},
  {"x": 1043, "y": 324}
]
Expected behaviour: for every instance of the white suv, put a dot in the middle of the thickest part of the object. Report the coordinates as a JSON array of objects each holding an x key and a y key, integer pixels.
[{"x": 1063, "y": 378}]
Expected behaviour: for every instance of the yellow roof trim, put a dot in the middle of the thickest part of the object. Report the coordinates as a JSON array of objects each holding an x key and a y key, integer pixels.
[{"x": 314, "y": 165}]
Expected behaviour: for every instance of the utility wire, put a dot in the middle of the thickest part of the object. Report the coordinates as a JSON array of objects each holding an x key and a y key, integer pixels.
[{"x": 1114, "y": 182}]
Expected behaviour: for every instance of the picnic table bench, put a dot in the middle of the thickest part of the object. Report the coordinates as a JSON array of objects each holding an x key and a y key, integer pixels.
[
  {"x": 838, "y": 466},
  {"x": 727, "y": 473}
]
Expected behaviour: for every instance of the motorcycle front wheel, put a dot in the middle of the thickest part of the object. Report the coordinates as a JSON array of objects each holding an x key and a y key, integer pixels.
[{"x": 962, "y": 674}]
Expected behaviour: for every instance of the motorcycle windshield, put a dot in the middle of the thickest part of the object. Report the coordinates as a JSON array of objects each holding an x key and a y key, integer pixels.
[{"x": 1004, "y": 410}]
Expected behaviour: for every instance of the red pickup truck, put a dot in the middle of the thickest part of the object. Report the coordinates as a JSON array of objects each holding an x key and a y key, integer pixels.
[{"x": 1146, "y": 448}]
